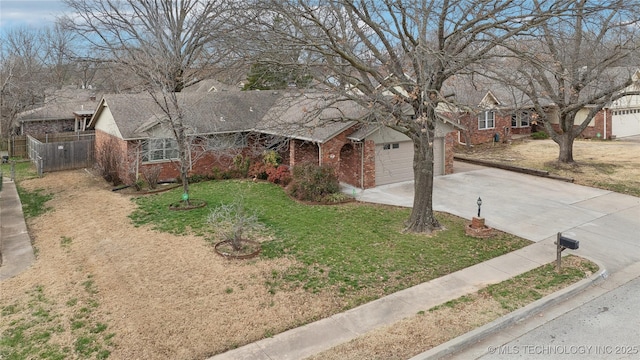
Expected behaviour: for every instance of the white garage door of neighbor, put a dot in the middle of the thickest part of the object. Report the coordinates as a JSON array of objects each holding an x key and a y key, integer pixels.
[
  {"x": 438, "y": 157},
  {"x": 394, "y": 162},
  {"x": 625, "y": 125}
]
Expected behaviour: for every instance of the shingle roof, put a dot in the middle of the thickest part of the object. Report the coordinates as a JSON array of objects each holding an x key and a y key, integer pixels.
[
  {"x": 61, "y": 107},
  {"x": 311, "y": 116},
  {"x": 295, "y": 115},
  {"x": 204, "y": 113}
]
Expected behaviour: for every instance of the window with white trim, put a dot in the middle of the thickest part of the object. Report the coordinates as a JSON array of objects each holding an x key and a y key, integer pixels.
[
  {"x": 159, "y": 149},
  {"x": 521, "y": 119},
  {"x": 486, "y": 120},
  {"x": 390, "y": 146}
]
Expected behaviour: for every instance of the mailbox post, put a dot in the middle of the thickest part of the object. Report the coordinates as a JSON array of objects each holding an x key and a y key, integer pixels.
[{"x": 561, "y": 244}]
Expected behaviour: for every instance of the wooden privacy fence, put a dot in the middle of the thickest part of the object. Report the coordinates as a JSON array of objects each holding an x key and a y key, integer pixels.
[
  {"x": 72, "y": 151},
  {"x": 17, "y": 146}
]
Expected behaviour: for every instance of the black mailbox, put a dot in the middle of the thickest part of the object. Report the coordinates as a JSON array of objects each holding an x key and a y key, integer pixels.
[{"x": 569, "y": 243}]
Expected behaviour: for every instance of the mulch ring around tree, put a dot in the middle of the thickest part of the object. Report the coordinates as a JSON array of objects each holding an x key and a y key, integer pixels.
[
  {"x": 188, "y": 205},
  {"x": 248, "y": 249}
]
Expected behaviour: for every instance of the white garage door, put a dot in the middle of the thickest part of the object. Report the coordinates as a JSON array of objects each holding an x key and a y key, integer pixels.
[
  {"x": 626, "y": 124},
  {"x": 394, "y": 162}
]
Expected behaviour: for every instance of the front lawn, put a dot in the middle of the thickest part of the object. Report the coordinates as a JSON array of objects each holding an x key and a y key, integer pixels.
[{"x": 357, "y": 249}]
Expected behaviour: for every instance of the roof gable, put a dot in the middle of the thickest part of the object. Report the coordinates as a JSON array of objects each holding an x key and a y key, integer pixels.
[{"x": 489, "y": 100}]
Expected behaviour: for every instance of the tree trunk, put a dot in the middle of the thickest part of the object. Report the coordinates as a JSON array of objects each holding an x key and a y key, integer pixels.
[
  {"x": 565, "y": 141},
  {"x": 422, "y": 218},
  {"x": 183, "y": 148}
]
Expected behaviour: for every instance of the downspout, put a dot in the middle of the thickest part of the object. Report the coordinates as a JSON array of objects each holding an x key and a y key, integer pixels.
[
  {"x": 137, "y": 161},
  {"x": 460, "y": 142},
  {"x": 319, "y": 154},
  {"x": 362, "y": 165},
  {"x": 605, "y": 124}
]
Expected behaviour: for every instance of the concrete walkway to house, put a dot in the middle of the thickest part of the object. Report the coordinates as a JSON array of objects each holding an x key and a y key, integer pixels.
[
  {"x": 15, "y": 243},
  {"x": 607, "y": 225}
]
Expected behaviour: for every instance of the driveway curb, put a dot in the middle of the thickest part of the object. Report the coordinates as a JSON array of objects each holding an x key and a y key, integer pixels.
[{"x": 474, "y": 336}]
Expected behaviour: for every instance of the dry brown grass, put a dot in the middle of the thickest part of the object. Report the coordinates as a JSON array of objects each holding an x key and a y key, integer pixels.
[
  {"x": 164, "y": 296},
  {"x": 612, "y": 165}
]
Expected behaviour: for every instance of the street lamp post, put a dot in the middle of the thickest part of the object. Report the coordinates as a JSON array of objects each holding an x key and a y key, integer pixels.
[{"x": 479, "y": 202}]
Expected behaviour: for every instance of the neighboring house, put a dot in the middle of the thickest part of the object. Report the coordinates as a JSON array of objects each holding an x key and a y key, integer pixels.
[
  {"x": 240, "y": 122},
  {"x": 625, "y": 113},
  {"x": 66, "y": 111},
  {"x": 494, "y": 112}
]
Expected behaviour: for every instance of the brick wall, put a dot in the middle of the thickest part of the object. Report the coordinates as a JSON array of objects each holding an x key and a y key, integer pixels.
[
  {"x": 350, "y": 165},
  {"x": 302, "y": 152},
  {"x": 114, "y": 146},
  {"x": 128, "y": 152},
  {"x": 341, "y": 153},
  {"x": 480, "y": 136},
  {"x": 592, "y": 131}
]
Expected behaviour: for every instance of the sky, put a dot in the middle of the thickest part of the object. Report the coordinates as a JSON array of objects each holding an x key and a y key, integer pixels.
[{"x": 29, "y": 13}]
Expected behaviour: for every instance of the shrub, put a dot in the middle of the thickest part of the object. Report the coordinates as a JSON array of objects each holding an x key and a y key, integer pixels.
[
  {"x": 233, "y": 222},
  {"x": 259, "y": 171},
  {"x": 196, "y": 178},
  {"x": 279, "y": 175},
  {"x": 109, "y": 161},
  {"x": 539, "y": 135},
  {"x": 138, "y": 184},
  {"x": 241, "y": 165},
  {"x": 272, "y": 158},
  {"x": 151, "y": 175},
  {"x": 311, "y": 182}
]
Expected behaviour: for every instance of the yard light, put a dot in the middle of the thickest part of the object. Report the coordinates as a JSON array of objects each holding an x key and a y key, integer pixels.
[{"x": 479, "y": 202}]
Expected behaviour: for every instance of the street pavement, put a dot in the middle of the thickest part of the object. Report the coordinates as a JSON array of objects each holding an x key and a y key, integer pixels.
[{"x": 598, "y": 323}]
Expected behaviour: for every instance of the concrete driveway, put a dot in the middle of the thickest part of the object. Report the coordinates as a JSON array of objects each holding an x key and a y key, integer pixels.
[{"x": 607, "y": 224}]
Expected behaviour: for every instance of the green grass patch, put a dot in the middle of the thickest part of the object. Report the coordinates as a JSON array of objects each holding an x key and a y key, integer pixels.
[
  {"x": 629, "y": 187},
  {"x": 525, "y": 288},
  {"x": 65, "y": 241},
  {"x": 34, "y": 202},
  {"x": 351, "y": 247},
  {"x": 533, "y": 285},
  {"x": 27, "y": 329},
  {"x": 23, "y": 170}
]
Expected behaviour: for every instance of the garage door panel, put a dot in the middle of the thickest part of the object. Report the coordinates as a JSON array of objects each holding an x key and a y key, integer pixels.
[
  {"x": 625, "y": 125},
  {"x": 394, "y": 164}
]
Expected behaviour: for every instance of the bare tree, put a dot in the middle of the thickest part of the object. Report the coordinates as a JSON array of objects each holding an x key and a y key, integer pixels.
[
  {"x": 22, "y": 74},
  {"x": 58, "y": 44},
  {"x": 169, "y": 44},
  {"x": 572, "y": 66},
  {"x": 393, "y": 57}
]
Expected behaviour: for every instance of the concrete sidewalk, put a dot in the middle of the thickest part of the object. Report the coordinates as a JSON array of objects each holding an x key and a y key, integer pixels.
[
  {"x": 15, "y": 243},
  {"x": 605, "y": 223},
  {"x": 324, "y": 334}
]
